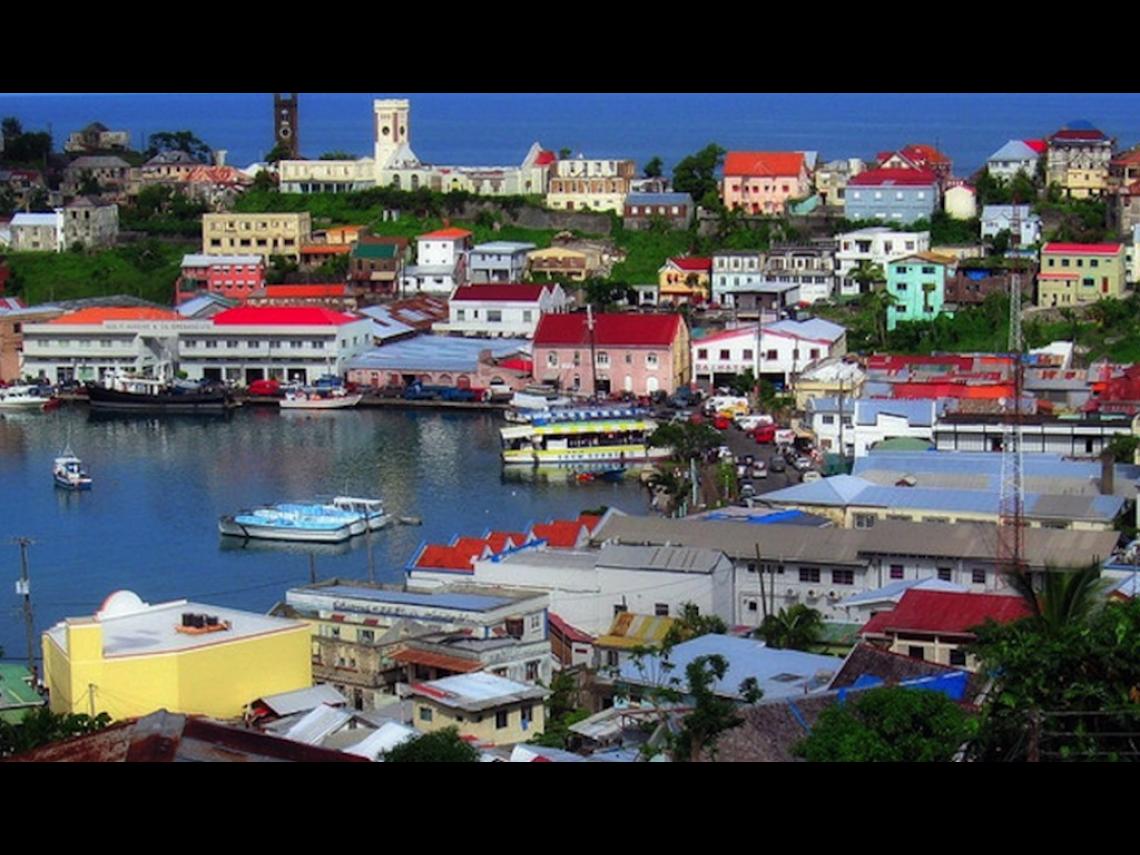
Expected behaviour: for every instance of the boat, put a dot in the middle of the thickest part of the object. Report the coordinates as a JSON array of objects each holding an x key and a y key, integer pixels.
[
  {"x": 577, "y": 439},
  {"x": 612, "y": 475},
  {"x": 372, "y": 510},
  {"x": 314, "y": 398},
  {"x": 532, "y": 401},
  {"x": 148, "y": 395},
  {"x": 409, "y": 520},
  {"x": 285, "y": 526},
  {"x": 67, "y": 472},
  {"x": 24, "y": 398},
  {"x": 356, "y": 522}
]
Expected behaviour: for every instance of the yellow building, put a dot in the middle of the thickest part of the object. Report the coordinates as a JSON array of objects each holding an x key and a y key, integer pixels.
[
  {"x": 131, "y": 658},
  {"x": 489, "y": 709},
  {"x": 684, "y": 280},
  {"x": 557, "y": 262},
  {"x": 590, "y": 185},
  {"x": 261, "y": 234},
  {"x": 1080, "y": 273}
]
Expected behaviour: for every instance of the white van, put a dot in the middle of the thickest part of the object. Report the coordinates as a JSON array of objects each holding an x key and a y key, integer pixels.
[
  {"x": 753, "y": 421},
  {"x": 720, "y": 403}
]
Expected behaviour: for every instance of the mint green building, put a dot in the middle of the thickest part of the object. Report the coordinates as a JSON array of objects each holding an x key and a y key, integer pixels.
[{"x": 918, "y": 284}]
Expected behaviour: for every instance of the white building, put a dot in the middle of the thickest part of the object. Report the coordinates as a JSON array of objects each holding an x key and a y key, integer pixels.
[
  {"x": 441, "y": 262},
  {"x": 810, "y": 267},
  {"x": 498, "y": 261},
  {"x": 588, "y": 587},
  {"x": 781, "y": 351},
  {"x": 90, "y": 343},
  {"x": 1013, "y": 157},
  {"x": 37, "y": 232},
  {"x": 877, "y": 245},
  {"x": 735, "y": 271},
  {"x": 501, "y": 311},
  {"x": 960, "y": 202},
  {"x": 833, "y": 424},
  {"x": 999, "y": 218},
  {"x": 579, "y": 184},
  {"x": 877, "y": 419},
  {"x": 326, "y": 176},
  {"x": 279, "y": 343}
]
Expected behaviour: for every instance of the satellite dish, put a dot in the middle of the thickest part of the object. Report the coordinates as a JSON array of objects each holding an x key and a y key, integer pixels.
[{"x": 120, "y": 603}]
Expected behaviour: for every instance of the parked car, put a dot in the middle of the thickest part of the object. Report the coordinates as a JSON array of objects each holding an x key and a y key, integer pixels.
[
  {"x": 810, "y": 476},
  {"x": 764, "y": 434},
  {"x": 724, "y": 453},
  {"x": 747, "y": 459},
  {"x": 747, "y": 490},
  {"x": 776, "y": 464},
  {"x": 752, "y": 421},
  {"x": 803, "y": 464},
  {"x": 759, "y": 470},
  {"x": 721, "y": 423}
]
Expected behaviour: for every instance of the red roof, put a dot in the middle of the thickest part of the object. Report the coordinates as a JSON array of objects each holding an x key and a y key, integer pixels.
[
  {"x": 498, "y": 540},
  {"x": 503, "y": 293},
  {"x": 544, "y": 158},
  {"x": 774, "y": 163},
  {"x": 296, "y": 291},
  {"x": 446, "y": 234},
  {"x": 590, "y": 521},
  {"x": 946, "y": 613},
  {"x": 693, "y": 263},
  {"x": 1038, "y": 146},
  {"x": 610, "y": 330},
  {"x": 98, "y": 315},
  {"x": 921, "y": 154},
  {"x": 326, "y": 249},
  {"x": 1078, "y": 134},
  {"x": 571, "y": 632},
  {"x": 525, "y": 366},
  {"x": 1087, "y": 248},
  {"x": 283, "y": 316},
  {"x": 437, "y": 557},
  {"x": 876, "y": 177},
  {"x": 409, "y": 655},
  {"x": 561, "y": 534}
]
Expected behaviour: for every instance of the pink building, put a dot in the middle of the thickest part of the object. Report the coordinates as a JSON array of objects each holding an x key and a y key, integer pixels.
[
  {"x": 232, "y": 276},
  {"x": 761, "y": 182},
  {"x": 640, "y": 354}
]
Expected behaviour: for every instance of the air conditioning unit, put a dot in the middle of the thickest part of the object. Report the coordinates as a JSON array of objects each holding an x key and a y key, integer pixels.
[
  {"x": 812, "y": 594},
  {"x": 833, "y": 595}
]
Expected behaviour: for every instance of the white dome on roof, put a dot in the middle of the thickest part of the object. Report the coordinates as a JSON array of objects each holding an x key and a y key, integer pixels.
[{"x": 121, "y": 603}]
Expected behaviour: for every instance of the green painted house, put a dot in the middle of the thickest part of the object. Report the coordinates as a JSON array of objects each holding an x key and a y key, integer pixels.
[{"x": 918, "y": 284}]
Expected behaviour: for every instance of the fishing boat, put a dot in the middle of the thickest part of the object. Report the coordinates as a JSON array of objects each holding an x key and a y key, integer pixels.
[
  {"x": 285, "y": 526},
  {"x": 581, "y": 439},
  {"x": 313, "y": 398},
  {"x": 148, "y": 395},
  {"x": 67, "y": 472},
  {"x": 24, "y": 398}
]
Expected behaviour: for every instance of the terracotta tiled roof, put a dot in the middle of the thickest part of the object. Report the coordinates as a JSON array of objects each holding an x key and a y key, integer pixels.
[
  {"x": 945, "y": 612},
  {"x": 98, "y": 315},
  {"x": 763, "y": 163},
  {"x": 920, "y": 155},
  {"x": 610, "y": 330},
  {"x": 1078, "y": 134},
  {"x": 282, "y": 316},
  {"x": 446, "y": 234}
]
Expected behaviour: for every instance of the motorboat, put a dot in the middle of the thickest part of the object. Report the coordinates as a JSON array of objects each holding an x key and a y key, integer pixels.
[
  {"x": 285, "y": 526},
  {"x": 149, "y": 395},
  {"x": 67, "y": 471},
  {"x": 357, "y": 524},
  {"x": 313, "y": 398},
  {"x": 24, "y": 398}
]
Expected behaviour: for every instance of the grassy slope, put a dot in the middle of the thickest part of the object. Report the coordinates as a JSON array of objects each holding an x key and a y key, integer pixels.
[{"x": 47, "y": 276}]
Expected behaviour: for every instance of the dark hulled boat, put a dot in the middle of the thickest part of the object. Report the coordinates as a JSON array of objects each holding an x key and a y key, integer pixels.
[{"x": 142, "y": 395}]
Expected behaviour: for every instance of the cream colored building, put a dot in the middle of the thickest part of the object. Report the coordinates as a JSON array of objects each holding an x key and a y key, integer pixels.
[
  {"x": 590, "y": 185},
  {"x": 960, "y": 203},
  {"x": 558, "y": 262},
  {"x": 260, "y": 234},
  {"x": 491, "y": 709},
  {"x": 91, "y": 223},
  {"x": 1073, "y": 273},
  {"x": 326, "y": 176}
]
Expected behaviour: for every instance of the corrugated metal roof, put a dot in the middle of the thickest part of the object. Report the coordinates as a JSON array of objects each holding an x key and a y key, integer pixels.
[
  {"x": 462, "y": 602},
  {"x": 659, "y": 199},
  {"x": 919, "y": 412},
  {"x": 317, "y": 724},
  {"x": 673, "y": 559},
  {"x": 384, "y": 739},
  {"x": 895, "y": 590},
  {"x": 436, "y": 353},
  {"x": 1014, "y": 150},
  {"x": 287, "y": 703},
  {"x": 500, "y": 247},
  {"x": 631, "y": 630},
  {"x": 476, "y": 691},
  {"x": 816, "y": 329}
]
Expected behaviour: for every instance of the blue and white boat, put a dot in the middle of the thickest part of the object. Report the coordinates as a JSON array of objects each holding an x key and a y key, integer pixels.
[
  {"x": 265, "y": 523},
  {"x": 67, "y": 472},
  {"x": 354, "y": 520}
]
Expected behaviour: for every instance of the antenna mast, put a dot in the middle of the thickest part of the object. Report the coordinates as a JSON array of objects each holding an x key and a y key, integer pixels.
[{"x": 1011, "y": 507}]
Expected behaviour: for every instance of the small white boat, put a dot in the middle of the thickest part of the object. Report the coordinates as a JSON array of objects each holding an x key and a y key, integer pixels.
[
  {"x": 354, "y": 520},
  {"x": 319, "y": 399},
  {"x": 284, "y": 526},
  {"x": 68, "y": 472},
  {"x": 22, "y": 398}
]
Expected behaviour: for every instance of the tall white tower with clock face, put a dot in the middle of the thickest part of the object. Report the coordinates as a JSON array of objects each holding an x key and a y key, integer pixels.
[{"x": 393, "y": 131}]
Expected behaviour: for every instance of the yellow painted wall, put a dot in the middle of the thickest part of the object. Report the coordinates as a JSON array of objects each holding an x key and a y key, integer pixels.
[
  {"x": 216, "y": 680},
  {"x": 484, "y": 729}
]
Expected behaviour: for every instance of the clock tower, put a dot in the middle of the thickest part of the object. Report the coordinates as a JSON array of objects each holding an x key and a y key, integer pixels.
[{"x": 285, "y": 123}]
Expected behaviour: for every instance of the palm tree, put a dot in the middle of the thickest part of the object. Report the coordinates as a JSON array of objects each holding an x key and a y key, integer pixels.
[
  {"x": 868, "y": 274},
  {"x": 1066, "y": 596},
  {"x": 797, "y": 628}
]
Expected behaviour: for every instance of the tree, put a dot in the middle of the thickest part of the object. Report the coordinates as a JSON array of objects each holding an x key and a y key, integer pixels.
[
  {"x": 561, "y": 711},
  {"x": 876, "y": 304},
  {"x": 88, "y": 184},
  {"x": 564, "y": 153},
  {"x": 178, "y": 141},
  {"x": 685, "y": 438},
  {"x": 692, "y": 624},
  {"x": 605, "y": 293},
  {"x": 11, "y": 128},
  {"x": 264, "y": 181},
  {"x": 795, "y": 628},
  {"x": 338, "y": 155},
  {"x": 280, "y": 266},
  {"x": 654, "y": 168},
  {"x": 440, "y": 746},
  {"x": 1123, "y": 447},
  {"x": 41, "y": 726},
  {"x": 278, "y": 153},
  {"x": 1067, "y": 596},
  {"x": 744, "y": 383},
  {"x": 696, "y": 174},
  {"x": 712, "y": 714},
  {"x": 999, "y": 243},
  {"x": 868, "y": 275},
  {"x": 890, "y": 724}
]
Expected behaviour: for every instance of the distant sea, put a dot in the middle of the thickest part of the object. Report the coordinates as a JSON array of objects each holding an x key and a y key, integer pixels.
[{"x": 497, "y": 129}]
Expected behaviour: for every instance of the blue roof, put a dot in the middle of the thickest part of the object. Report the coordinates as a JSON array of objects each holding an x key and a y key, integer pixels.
[
  {"x": 761, "y": 518},
  {"x": 830, "y": 405},
  {"x": 658, "y": 199},
  {"x": 1014, "y": 150},
  {"x": 779, "y": 673},
  {"x": 1035, "y": 464},
  {"x": 899, "y": 587},
  {"x": 462, "y": 602},
  {"x": 919, "y": 412},
  {"x": 815, "y": 328},
  {"x": 436, "y": 353}
]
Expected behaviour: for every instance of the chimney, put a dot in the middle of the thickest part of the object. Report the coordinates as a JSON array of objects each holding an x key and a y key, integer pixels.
[
  {"x": 220, "y": 157},
  {"x": 1107, "y": 471}
]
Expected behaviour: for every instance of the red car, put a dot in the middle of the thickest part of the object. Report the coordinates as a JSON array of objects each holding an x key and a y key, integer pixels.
[
  {"x": 764, "y": 434},
  {"x": 721, "y": 423}
]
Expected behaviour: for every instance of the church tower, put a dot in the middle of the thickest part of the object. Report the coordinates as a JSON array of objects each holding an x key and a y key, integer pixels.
[
  {"x": 392, "y": 128},
  {"x": 285, "y": 123}
]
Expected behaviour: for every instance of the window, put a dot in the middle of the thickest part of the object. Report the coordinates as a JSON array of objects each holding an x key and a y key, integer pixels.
[
  {"x": 702, "y": 353},
  {"x": 612, "y": 658},
  {"x": 724, "y": 354},
  {"x": 296, "y": 345},
  {"x": 501, "y": 719},
  {"x": 425, "y": 713},
  {"x": 771, "y": 355},
  {"x": 958, "y": 657},
  {"x": 809, "y": 574},
  {"x": 460, "y": 315},
  {"x": 552, "y": 359},
  {"x": 978, "y": 577},
  {"x": 661, "y": 609},
  {"x": 748, "y": 354},
  {"x": 914, "y": 651},
  {"x": 651, "y": 360},
  {"x": 843, "y": 577},
  {"x": 864, "y": 520},
  {"x": 619, "y": 608},
  {"x": 231, "y": 343},
  {"x": 1064, "y": 262},
  {"x": 365, "y": 636},
  {"x": 494, "y": 316},
  {"x": 629, "y": 359},
  {"x": 896, "y": 571},
  {"x": 528, "y": 315},
  {"x": 1094, "y": 262},
  {"x": 532, "y": 670},
  {"x": 828, "y": 420},
  {"x": 945, "y": 573},
  {"x": 603, "y": 358}
]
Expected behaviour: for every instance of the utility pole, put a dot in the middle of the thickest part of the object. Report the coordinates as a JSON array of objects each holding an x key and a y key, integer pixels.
[
  {"x": 593, "y": 357},
  {"x": 24, "y": 587},
  {"x": 312, "y": 569}
]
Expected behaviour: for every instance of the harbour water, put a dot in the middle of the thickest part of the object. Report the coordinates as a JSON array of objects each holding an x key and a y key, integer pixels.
[
  {"x": 497, "y": 128},
  {"x": 150, "y": 522}
]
